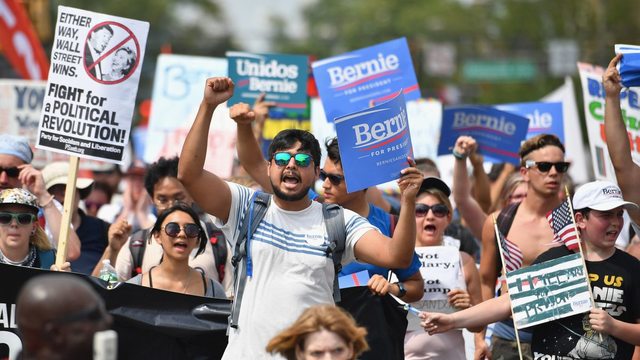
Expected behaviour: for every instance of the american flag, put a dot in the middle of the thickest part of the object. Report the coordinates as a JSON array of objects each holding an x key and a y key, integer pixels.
[
  {"x": 564, "y": 230},
  {"x": 512, "y": 256}
]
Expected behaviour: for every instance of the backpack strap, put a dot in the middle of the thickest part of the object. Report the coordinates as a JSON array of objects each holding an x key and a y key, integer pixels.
[
  {"x": 137, "y": 246},
  {"x": 334, "y": 222},
  {"x": 218, "y": 246},
  {"x": 241, "y": 259},
  {"x": 504, "y": 222}
]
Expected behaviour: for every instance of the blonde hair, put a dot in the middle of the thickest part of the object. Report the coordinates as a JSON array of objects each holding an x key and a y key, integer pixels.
[
  {"x": 40, "y": 239},
  {"x": 317, "y": 318},
  {"x": 513, "y": 181}
]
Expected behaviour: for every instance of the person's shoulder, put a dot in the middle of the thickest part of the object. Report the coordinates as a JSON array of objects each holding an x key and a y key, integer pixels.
[{"x": 626, "y": 260}]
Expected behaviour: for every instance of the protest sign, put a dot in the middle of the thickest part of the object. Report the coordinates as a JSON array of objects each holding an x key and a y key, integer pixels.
[
  {"x": 93, "y": 81},
  {"x": 360, "y": 278},
  {"x": 441, "y": 269},
  {"x": 544, "y": 117},
  {"x": 498, "y": 133},
  {"x": 177, "y": 93},
  {"x": 282, "y": 77},
  {"x": 359, "y": 79},
  {"x": 549, "y": 291},
  {"x": 629, "y": 65},
  {"x": 593, "y": 95},
  {"x": 183, "y": 326},
  {"x": 375, "y": 142}
]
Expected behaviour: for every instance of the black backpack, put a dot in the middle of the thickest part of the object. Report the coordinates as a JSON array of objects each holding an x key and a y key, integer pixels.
[
  {"x": 139, "y": 239},
  {"x": 333, "y": 220}
]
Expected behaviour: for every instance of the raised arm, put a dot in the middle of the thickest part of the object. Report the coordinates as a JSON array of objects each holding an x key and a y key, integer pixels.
[
  {"x": 627, "y": 172},
  {"x": 474, "y": 317},
  {"x": 470, "y": 210},
  {"x": 397, "y": 252},
  {"x": 488, "y": 260},
  {"x": 211, "y": 192},
  {"x": 482, "y": 185},
  {"x": 248, "y": 147}
]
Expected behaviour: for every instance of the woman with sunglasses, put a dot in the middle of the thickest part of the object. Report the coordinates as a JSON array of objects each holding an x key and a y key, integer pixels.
[
  {"x": 433, "y": 215},
  {"x": 22, "y": 241},
  {"x": 179, "y": 232}
]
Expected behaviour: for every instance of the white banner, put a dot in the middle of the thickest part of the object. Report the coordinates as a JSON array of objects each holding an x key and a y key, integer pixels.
[
  {"x": 177, "y": 92},
  {"x": 89, "y": 100}
]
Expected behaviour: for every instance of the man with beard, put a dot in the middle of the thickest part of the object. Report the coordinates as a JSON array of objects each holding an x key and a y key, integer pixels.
[{"x": 291, "y": 269}]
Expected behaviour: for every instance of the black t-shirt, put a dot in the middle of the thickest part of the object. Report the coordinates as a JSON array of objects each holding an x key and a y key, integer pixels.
[{"x": 615, "y": 284}]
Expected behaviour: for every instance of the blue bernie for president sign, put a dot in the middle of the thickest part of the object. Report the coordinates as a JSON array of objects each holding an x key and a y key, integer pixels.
[
  {"x": 498, "y": 133},
  {"x": 359, "y": 79},
  {"x": 544, "y": 117},
  {"x": 374, "y": 144}
]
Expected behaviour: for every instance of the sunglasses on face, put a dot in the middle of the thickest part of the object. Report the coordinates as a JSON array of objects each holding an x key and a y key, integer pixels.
[
  {"x": 283, "y": 158},
  {"x": 12, "y": 172},
  {"x": 333, "y": 178},
  {"x": 21, "y": 218},
  {"x": 190, "y": 230},
  {"x": 439, "y": 210},
  {"x": 545, "y": 166}
]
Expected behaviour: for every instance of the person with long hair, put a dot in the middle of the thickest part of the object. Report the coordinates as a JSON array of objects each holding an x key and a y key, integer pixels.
[
  {"x": 321, "y": 330},
  {"x": 22, "y": 241},
  {"x": 179, "y": 232}
]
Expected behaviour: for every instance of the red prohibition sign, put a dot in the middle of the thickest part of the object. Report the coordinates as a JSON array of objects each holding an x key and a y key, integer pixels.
[{"x": 124, "y": 59}]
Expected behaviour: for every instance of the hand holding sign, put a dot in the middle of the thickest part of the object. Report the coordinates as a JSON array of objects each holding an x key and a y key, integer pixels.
[
  {"x": 611, "y": 79},
  {"x": 218, "y": 90},
  {"x": 410, "y": 181},
  {"x": 459, "y": 299}
]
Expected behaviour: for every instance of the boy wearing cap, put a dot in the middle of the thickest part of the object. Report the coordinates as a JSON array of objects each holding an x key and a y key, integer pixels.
[
  {"x": 614, "y": 280},
  {"x": 16, "y": 172}
]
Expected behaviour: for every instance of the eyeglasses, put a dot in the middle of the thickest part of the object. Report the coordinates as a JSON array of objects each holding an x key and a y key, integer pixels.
[
  {"x": 333, "y": 178},
  {"x": 283, "y": 158},
  {"x": 94, "y": 314},
  {"x": 173, "y": 229},
  {"x": 545, "y": 166},
  {"x": 11, "y": 171},
  {"x": 439, "y": 210},
  {"x": 21, "y": 218}
]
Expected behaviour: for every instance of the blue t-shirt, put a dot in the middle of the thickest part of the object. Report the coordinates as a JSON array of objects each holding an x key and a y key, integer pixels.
[{"x": 382, "y": 220}]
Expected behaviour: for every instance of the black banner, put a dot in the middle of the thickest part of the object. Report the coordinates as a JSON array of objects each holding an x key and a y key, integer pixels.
[{"x": 151, "y": 323}]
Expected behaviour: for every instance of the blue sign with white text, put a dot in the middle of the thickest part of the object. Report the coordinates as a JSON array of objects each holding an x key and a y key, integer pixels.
[
  {"x": 544, "y": 117},
  {"x": 374, "y": 144},
  {"x": 282, "y": 77},
  {"x": 360, "y": 79},
  {"x": 498, "y": 133}
]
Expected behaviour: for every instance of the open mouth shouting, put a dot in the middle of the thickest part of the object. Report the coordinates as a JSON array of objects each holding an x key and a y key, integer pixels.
[{"x": 290, "y": 180}]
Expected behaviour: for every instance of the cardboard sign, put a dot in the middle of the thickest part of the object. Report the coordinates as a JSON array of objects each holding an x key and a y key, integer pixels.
[
  {"x": 282, "y": 77},
  {"x": 498, "y": 133},
  {"x": 593, "y": 95},
  {"x": 548, "y": 291},
  {"x": 93, "y": 81},
  {"x": 359, "y": 79},
  {"x": 374, "y": 144}
]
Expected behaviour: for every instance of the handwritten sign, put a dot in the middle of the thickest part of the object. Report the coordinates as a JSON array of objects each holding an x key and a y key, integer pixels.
[{"x": 548, "y": 291}]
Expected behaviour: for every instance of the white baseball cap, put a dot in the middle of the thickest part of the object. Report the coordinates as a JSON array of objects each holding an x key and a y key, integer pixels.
[{"x": 601, "y": 196}]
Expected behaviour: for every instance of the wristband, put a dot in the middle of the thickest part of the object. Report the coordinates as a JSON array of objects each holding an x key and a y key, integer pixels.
[
  {"x": 46, "y": 203},
  {"x": 459, "y": 156},
  {"x": 402, "y": 291}
]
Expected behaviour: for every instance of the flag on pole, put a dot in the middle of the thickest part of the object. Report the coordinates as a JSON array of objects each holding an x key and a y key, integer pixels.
[
  {"x": 512, "y": 256},
  {"x": 563, "y": 226}
]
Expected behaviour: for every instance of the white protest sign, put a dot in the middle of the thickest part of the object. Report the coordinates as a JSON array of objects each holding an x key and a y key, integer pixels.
[
  {"x": 441, "y": 269},
  {"x": 93, "y": 81},
  {"x": 177, "y": 92},
  {"x": 593, "y": 94},
  {"x": 548, "y": 291}
]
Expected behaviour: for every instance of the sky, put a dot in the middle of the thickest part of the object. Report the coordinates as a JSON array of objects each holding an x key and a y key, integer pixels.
[{"x": 250, "y": 20}]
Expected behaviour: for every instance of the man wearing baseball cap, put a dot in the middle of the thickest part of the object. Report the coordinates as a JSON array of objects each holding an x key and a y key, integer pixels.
[
  {"x": 609, "y": 331},
  {"x": 17, "y": 172}
]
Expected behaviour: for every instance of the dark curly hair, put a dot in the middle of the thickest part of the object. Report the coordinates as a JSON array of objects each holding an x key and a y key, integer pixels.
[{"x": 159, "y": 170}]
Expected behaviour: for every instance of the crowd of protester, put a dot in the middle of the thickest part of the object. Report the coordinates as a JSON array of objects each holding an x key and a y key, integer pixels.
[{"x": 174, "y": 226}]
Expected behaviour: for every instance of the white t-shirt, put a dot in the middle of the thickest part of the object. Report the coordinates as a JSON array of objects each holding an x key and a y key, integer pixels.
[{"x": 291, "y": 269}]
